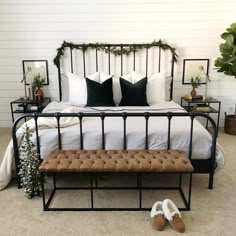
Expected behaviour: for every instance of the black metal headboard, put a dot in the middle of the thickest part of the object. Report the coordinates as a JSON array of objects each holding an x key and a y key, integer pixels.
[{"x": 119, "y": 50}]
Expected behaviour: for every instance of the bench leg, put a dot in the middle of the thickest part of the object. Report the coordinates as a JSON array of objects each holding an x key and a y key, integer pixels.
[
  {"x": 43, "y": 192},
  {"x": 180, "y": 180},
  {"x": 54, "y": 181},
  {"x": 140, "y": 189},
  {"x": 186, "y": 198},
  {"x": 91, "y": 191},
  {"x": 190, "y": 191}
]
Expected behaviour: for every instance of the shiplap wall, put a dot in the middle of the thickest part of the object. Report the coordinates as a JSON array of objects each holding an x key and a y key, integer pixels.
[{"x": 34, "y": 29}]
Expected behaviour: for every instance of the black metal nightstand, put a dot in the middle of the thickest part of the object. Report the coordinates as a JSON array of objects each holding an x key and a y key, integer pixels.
[
  {"x": 28, "y": 106},
  {"x": 191, "y": 105}
]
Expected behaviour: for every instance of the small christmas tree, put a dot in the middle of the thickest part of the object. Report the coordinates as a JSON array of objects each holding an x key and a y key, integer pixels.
[{"x": 29, "y": 163}]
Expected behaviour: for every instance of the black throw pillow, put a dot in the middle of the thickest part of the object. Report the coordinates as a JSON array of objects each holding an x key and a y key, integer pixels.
[
  {"x": 99, "y": 94},
  {"x": 133, "y": 94}
]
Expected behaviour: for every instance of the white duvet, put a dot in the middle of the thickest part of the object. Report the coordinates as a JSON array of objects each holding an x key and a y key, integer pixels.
[{"x": 180, "y": 132}]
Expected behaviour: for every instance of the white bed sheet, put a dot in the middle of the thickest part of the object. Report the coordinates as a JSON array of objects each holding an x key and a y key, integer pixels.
[{"x": 180, "y": 132}]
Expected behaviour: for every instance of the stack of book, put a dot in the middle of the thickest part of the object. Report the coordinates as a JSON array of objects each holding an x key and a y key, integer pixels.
[{"x": 201, "y": 107}]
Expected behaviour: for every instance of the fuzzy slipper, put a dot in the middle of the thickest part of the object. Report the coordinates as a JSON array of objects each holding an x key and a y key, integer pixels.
[
  {"x": 157, "y": 216},
  {"x": 173, "y": 215}
]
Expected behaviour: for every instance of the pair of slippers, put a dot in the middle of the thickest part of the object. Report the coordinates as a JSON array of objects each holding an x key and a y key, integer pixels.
[{"x": 166, "y": 210}]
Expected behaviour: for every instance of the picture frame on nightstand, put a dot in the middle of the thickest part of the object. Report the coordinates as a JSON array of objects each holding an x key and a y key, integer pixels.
[
  {"x": 191, "y": 68},
  {"x": 31, "y": 68}
]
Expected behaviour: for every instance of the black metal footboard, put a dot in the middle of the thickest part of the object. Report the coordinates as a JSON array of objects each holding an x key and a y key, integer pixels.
[{"x": 202, "y": 166}]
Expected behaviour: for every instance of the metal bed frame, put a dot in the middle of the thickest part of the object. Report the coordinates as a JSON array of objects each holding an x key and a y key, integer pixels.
[
  {"x": 200, "y": 166},
  {"x": 124, "y": 116}
]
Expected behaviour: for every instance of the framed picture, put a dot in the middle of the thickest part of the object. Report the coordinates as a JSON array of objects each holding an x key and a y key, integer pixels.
[
  {"x": 31, "y": 68},
  {"x": 191, "y": 68}
]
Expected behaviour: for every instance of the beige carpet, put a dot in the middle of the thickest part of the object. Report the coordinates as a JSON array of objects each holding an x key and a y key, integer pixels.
[{"x": 213, "y": 211}]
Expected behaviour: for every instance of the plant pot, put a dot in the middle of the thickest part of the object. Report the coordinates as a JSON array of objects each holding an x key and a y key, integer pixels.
[
  {"x": 193, "y": 92},
  {"x": 230, "y": 124},
  {"x": 38, "y": 93}
]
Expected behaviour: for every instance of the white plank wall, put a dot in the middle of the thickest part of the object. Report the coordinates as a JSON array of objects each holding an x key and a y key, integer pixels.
[{"x": 34, "y": 29}]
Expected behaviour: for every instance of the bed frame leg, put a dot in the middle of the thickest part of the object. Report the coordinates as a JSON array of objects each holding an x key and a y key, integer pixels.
[
  {"x": 211, "y": 178},
  {"x": 18, "y": 181}
]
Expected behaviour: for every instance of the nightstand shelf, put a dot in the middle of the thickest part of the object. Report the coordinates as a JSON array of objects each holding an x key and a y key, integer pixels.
[
  {"x": 210, "y": 110},
  {"x": 28, "y": 106},
  {"x": 188, "y": 105}
]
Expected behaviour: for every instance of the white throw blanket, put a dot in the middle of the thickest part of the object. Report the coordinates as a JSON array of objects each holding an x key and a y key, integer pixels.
[{"x": 8, "y": 164}]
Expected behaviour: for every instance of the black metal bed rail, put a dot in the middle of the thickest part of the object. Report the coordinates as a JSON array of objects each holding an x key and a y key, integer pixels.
[{"x": 124, "y": 116}]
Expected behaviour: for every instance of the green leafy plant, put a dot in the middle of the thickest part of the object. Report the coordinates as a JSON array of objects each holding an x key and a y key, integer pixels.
[
  {"x": 29, "y": 163},
  {"x": 38, "y": 81},
  {"x": 227, "y": 62},
  {"x": 195, "y": 81}
]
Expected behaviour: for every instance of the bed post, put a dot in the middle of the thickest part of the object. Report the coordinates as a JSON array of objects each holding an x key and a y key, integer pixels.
[
  {"x": 172, "y": 75},
  {"x": 59, "y": 80}
]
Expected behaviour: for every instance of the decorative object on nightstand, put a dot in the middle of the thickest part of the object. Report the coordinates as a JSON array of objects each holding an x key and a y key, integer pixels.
[
  {"x": 25, "y": 74},
  {"x": 195, "y": 72},
  {"x": 195, "y": 82},
  {"x": 38, "y": 83},
  {"x": 203, "y": 105},
  {"x": 205, "y": 74},
  {"x": 32, "y": 69}
]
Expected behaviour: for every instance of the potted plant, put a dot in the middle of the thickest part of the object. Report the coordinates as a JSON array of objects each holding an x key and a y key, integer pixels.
[
  {"x": 227, "y": 64},
  {"x": 195, "y": 82},
  {"x": 38, "y": 83}
]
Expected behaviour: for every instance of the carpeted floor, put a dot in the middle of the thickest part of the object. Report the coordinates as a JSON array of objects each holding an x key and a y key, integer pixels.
[{"x": 213, "y": 211}]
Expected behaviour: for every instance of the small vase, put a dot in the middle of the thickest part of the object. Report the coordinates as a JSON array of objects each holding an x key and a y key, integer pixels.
[
  {"x": 193, "y": 92},
  {"x": 38, "y": 93}
]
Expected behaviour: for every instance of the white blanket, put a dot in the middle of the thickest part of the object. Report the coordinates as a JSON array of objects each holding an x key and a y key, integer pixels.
[
  {"x": 180, "y": 131},
  {"x": 8, "y": 165}
]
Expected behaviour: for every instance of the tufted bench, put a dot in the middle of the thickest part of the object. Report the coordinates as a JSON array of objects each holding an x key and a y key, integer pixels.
[{"x": 132, "y": 161}]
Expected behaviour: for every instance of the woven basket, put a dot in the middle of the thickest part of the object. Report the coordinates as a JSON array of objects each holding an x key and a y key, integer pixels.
[{"x": 230, "y": 124}]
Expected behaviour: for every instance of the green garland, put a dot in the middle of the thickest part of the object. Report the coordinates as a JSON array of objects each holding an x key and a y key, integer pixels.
[
  {"x": 117, "y": 51},
  {"x": 29, "y": 163}
]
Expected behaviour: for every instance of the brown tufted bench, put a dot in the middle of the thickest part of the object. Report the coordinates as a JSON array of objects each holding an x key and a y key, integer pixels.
[{"x": 135, "y": 161}]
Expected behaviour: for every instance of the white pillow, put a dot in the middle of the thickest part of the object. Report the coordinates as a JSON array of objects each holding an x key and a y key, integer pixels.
[
  {"x": 117, "y": 95},
  {"x": 77, "y": 90},
  {"x": 158, "y": 87},
  {"x": 103, "y": 77},
  {"x": 136, "y": 77},
  {"x": 116, "y": 90},
  {"x": 168, "y": 80},
  {"x": 65, "y": 88},
  {"x": 78, "y": 87}
]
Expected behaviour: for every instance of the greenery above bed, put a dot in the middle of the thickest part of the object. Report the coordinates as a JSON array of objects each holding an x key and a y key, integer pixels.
[{"x": 126, "y": 50}]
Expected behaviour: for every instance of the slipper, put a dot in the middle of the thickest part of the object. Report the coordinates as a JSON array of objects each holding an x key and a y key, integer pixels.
[
  {"x": 157, "y": 216},
  {"x": 173, "y": 215}
]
